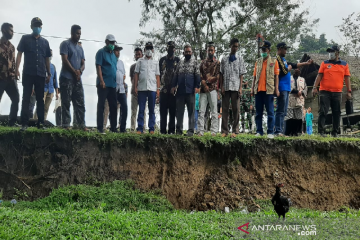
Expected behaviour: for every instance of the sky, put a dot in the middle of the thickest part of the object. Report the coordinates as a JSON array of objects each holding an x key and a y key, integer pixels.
[{"x": 121, "y": 18}]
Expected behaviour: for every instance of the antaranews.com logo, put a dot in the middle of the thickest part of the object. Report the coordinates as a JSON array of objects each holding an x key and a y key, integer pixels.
[{"x": 303, "y": 230}]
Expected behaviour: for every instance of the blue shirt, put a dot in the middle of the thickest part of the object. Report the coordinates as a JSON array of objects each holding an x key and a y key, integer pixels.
[
  {"x": 75, "y": 54},
  {"x": 35, "y": 50},
  {"x": 53, "y": 80},
  {"x": 309, "y": 118},
  {"x": 108, "y": 61},
  {"x": 285, "y": 80}
]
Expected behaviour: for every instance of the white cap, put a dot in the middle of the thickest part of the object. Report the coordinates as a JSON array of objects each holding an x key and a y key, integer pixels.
[{"x": 110, "y": 37}]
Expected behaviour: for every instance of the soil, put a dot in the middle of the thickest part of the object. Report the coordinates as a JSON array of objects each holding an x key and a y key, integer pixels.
[{"x": 316, "y": 175}]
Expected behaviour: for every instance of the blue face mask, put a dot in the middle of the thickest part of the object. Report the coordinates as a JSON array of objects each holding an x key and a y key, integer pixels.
[{"x": 36, "y": 31}]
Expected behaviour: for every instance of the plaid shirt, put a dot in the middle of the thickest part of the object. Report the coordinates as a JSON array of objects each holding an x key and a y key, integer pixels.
[
  {"x": 210, "y": 73},
  {"x": 7, "y": 61},
  {"x": 231, "y": 72}
]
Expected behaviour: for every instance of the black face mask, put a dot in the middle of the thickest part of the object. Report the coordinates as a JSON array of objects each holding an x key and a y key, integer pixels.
[
  {"x": 170, "y": 52},
  {"x": 211, "y": 56},
  {"x": 187, "y": 57}
]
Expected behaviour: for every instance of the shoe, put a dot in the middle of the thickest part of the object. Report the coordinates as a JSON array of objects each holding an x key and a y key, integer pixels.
[
  {"x": 23, "y": 128},
  {"x": 152, "y": 132},
  {"x": 233, "y": 135},
  {"x": 102, "y": 132},
  {"x": 279, "y": 135},
  {"x": 138, "y": 132},
  {"x": 213, "y": 134},
  {"x": 271, "y": 136},
  {"x": 334, "y": 135},
  {"x": 41, "y": 126},
  {"x": 223, "y": 135},
  {"x": 189, "y": 134},
  {"x": 258, "y": 135},
  {"x": 242, "y": 130}
]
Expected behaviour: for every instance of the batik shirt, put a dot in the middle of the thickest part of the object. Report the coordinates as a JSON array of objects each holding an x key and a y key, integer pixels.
[
  {"x": 7, "y": 61},
  {"x": 231, "y": 72},
  {"x": 210, "y": 73}
]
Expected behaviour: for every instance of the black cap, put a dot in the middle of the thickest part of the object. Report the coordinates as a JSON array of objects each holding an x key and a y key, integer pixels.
[
  {"x": 282, "y": 45},
  {"x": 266, "y": 44},
  {"x": 117, "y": 48},
  {"x": 171, "y": 44},
  {"x": 333, "y": 49},
  {"x": 36, "y": 20},
  {"x": 137, "y": 49},
  {"x": 149, "y": 45}
]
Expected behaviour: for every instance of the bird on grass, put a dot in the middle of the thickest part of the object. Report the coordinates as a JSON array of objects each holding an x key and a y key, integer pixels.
[{"x": 281, "y": 203}]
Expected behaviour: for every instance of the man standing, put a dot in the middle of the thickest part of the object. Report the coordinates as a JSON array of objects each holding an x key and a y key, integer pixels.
[
  {"x": 167, "y": 66},
  {"x": 50, "y": 88},
  {"x": 331, "y": 77},
  {"x": 134, "y": 100},
  {"x": 187, "y": 82},
  {"x": 246, "y": 106},
  {"x": 73, "y": 65},
  {"x": 106, "y": 63},
  {"x": 284, "y": 86},
  {"x": 36, "y": 71},
  {"x": 120, "y": 90},
  {"x": 264, "y": 85},
  {"x": 7, "y": 71},
  {"x": 210, "y": 75},
  {"x": 147, "y": 87},
  {"x": 232, "y": 70}
]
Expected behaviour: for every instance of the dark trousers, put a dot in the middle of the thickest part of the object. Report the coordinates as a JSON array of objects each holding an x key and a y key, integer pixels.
[
  {"x": 261, "y": 99},
  {"x": 333, "y": 100},
  {"x": 103, "y": 94},
  {"x": 32, "y": 105},
  {"x": 189, "y": 101},
  {"x": 167, "y": 105},
  {"x": 235, "y": 108},
  {"x": 58, "y": 116},
  {"x": 72, "y": 91},
  {"x": 10, "y": 87},
  {"x": 293, "y": 127},
  {"x": 38, "y": 83},
  {"x": 143, "y": 97},
  {"x": 121, "y": 97}
]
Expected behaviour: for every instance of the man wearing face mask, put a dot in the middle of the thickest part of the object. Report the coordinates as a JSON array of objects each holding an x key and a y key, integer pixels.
[
  {"x": 106, "y": 66},
  {"x": 8, "y": 82},
  {"x": 36, "y": 71},
  {"x": 264, "y": 86},
  {"x": 187, "y": 82},
  {"x": 147, "y": 87},
  {"x": 284, "y": 86},
  {"x": 167, "y": 66},
  {"x": 50, "y": 88},
  {"x": 331, "y": 77},
  {"x": 73, "y": 66}
]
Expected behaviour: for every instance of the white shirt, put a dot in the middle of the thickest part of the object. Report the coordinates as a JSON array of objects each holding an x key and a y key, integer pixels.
[
  {"x": 147, "y": 69},
  {"x": 120, "y": 73}
]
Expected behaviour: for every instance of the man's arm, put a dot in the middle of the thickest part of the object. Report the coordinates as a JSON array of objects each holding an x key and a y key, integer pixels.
[
  {"x": 277, "y": 85},
  {"x": 82, "y": 68},
  {"x": 18, "y": 61},
  {"x": 99, "y": 74},
  {"x": 136, "y": 79},
  {"x": 317, "y": 82},
  {"x": 47, "y": 60}
]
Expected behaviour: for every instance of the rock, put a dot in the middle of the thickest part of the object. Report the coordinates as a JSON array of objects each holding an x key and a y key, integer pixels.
[{"x": 227, "y": 209}]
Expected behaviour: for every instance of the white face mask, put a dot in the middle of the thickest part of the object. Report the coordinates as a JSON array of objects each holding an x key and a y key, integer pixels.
[
  {"x": 149, "y": 53},
  {"x": 332, "y": 55}
]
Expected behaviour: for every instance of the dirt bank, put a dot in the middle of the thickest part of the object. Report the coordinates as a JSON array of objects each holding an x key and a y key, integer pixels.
[{"x": 192, "y": 174}]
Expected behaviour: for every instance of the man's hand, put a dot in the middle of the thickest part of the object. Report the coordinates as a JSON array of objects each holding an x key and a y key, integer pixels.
[
  {"x": 348, "y": 96},
  {"x": 315, "y": 91},
  {"x": 251, "y": 107},
  {"x": 33, "y": 92},
  {"x": 223, "y": 91},
  {"x": 309, "y": 62},
  {"x": 252, "y": 91},
  {"x": 206, "y": 89},
  {"x": 173, "y": 91},
  {"x": 197, "y": 90},
  {"x": 299, "y": 94},
  {"x": 289, "y": 67},
  {"x": 47, "y": 80},
  {"x": 57, "y": 96},
  {"x": 124, "y": 77},
  {"x": 240, "y": 92},
  {"x": 102, "y": 84},
  {"x": 158, "y": 93},
  {"x": 277, "y": 93},
  {"x": 17, "y": 75},
  {"x": 78, "y": 75},
  {"x": 136, "y": 91}
]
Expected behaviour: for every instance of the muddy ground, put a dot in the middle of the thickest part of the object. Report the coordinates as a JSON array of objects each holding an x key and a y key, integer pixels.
[{"x": 192, "y": 175}]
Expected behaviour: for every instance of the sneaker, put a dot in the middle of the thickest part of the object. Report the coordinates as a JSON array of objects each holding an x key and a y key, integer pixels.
[
  {"x": 258, "y": 135},
  {"x": 279, "y": 135},
  {"x": 233, "y": 135},
  {"x": 271, "y": 136},
  {"x": 138, "y": 132},
  {"x": 23, "y": 128},
  {"x": 242, "y": 130},
  {"x": 152, "y": 132},
  {"x": 213, "y": 134},
  {"x": 223, "y": 135}
]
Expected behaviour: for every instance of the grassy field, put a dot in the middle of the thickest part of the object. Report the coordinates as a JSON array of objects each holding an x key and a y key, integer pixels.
[{"x": 118, "y": 211}]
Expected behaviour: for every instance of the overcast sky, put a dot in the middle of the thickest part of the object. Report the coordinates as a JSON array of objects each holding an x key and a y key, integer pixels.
[{"x": 121, "y": 18}]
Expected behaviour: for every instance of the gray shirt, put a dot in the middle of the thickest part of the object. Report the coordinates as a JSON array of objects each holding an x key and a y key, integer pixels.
[
  {"x": 75, "y": 54},
  {"x": 147, "y": 69},
  {"x": 120, "y": 73},
  {"x": 231, "y": 72}
]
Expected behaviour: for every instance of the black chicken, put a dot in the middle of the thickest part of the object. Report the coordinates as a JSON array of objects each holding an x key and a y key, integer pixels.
[{"x": 281, "y": 203}]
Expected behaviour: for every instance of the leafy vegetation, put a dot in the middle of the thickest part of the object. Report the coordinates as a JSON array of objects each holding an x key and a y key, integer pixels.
[{"x": 103, "y": 212}]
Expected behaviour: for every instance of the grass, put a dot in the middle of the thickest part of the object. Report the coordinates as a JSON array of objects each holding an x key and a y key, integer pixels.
[{"x": 118, "y": 211}]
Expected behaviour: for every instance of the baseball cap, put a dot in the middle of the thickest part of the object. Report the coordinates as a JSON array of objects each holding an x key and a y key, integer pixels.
[
  {"x": 118, "y": 48},
  {"x": 36, "y": 20},
  {"x": 266, "y": 44},
  {"x": 282, "y": 45},
  {"x": 333, "y": 49},
  {"x": 149, "y": 45},
  {"x": 171, "y": 44},
  {"x": 110, "y": 37}
]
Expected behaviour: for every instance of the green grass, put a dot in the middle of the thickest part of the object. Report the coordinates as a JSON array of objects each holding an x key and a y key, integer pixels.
[{"x": 118, "y": 211}]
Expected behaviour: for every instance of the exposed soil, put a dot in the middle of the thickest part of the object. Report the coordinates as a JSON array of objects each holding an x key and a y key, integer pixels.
[{"x": 317, "y": 175}]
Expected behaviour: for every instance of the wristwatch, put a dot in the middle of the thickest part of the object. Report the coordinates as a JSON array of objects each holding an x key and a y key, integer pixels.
[{"x": 349, "y": 91}]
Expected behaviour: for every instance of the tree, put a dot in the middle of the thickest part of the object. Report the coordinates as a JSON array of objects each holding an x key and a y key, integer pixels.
[
  {"x": 199, "y": 21},
  {"x": 351, "y": 30},
  {"x": 310, "y": 44}
]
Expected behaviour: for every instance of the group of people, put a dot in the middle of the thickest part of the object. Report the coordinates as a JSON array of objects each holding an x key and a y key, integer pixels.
[{"x": 172, "y": 82}]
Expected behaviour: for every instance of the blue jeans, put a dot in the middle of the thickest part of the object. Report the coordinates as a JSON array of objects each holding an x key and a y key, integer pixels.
[
  {"x": 121, "y": 97},
  {"x": 309, "y": 130},
  {"x": 281, "y": 111},
  {"x": 144, "y": 96},
  {"x": 261, "y": 99},
  {"x": 196, "y": 118}
]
